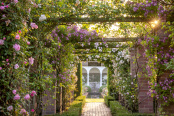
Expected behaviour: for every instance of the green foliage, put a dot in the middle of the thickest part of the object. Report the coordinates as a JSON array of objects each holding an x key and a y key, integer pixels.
[
  {"x": 89, "y": 88},
  {"x": 107, "y": 100},
  {"x": 101, "y": 88},
  {"x": 108, "y": 81},
  {"x": 117, "y": 108},
  {"x": 81, "y": 98},
  {"x": 73, "y": 111},
  {"x": 78, "y": 92},
  {"x": 75, "y": 107}
]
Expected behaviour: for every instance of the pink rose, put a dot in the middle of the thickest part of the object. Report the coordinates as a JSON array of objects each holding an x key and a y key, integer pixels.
[
  {"x": 4, "y": 38},
  {"x": 10, "y": 108},
  {"x": 25, "y": 62},
  {"x": 16, "y": 97},
  {"x": 0, "y": 68},
  {"x": 6, "y": 6},
  {"x": 7, "y": 60},
  {"x": 15, "y": 1},
  {"x": 2, "y": 7},
  {"x": 28, "y": 43},
  {"x": 16, "y": 66},
  {"x": 19, "y": 31},
  {"x": 33, "y": 26},
  {"x": 23, "y": 112},
  {"x": 14, "y": 92},
  {"x": 27, "y": 97},
  {"x": 17, "y": 36},
  {"x": 1, "y": 42},
  {"x": 2, "y": 3},
  {"x": 16, "y": 47},
  {"x": 33, "y": 93},
  {"x": 32, "y": 110},
  {"x": 31, "y": 60}
]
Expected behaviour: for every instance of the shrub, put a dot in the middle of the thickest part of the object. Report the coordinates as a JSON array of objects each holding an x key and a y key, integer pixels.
[
  {"x": 78, "y": 92},
  {"x": 107, "y": 99},
  {"x": 117, "y": 108},
  {"x": 81, "y": 98},
  {"x": 72, "y": 111},
  {"x": 101, "y": 88},
  {"x": 89, "y": 88},
  {"x": 76, "y": 104},
  {"x": 75, "y": 108}
]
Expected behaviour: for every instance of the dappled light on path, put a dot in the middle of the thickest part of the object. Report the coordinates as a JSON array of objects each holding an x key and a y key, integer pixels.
[{"x": 96, "y": 107}]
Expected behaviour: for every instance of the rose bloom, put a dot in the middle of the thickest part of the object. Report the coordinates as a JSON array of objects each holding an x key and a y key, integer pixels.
[
  {"x": 31, "y": 60},
  {"x": 14, "y": 92},
  {"x": 16, "y": 97},
  {"x": 32, "y": 110},
  {"x": 23, "y": 111},
  {"x": 1, "y": 42},
  {"x": 17, "y": 36},
  {"x": 15, "y": 1},
  {"x": 16, "y": 66},
  {"x": 33, "y": 26},
  {"x": 16, "y": 47},
  {"x": 33, "y": 93},
  {"x": 0, "y": 68},
  {"x": 28, "y": 43},
  {"x": 2, "y": 7},
  {"x": 10, "y": 108},
  {"x": 27, "y": 97}
]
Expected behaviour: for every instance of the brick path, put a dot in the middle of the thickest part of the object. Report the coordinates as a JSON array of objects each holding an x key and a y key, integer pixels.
[{"x": 96, "y": 109}]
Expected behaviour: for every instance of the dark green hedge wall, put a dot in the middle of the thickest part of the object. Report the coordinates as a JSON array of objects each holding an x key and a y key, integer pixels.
[{"x": 78, "y": 91}]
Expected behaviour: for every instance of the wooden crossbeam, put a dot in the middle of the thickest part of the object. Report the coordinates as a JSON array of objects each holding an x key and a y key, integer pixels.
[
  {"x": 109, "y": 45},
  {"x": 103, "y": 20},
  {"x": 77, "y": 53},
  {"x": 118, "y": 39}
]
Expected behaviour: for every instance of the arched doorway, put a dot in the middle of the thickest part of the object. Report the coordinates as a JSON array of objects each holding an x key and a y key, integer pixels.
[{"x": 94, "y": 79}]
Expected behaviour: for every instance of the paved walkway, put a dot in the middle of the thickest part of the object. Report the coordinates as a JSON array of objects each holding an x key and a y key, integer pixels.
[{"x": 96, "y": 109}]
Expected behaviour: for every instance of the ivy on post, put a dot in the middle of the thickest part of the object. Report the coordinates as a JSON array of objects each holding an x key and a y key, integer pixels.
[{"x": 78, "y": 91}]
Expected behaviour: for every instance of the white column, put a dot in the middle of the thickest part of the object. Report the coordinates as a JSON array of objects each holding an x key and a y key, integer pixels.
[
  {"x": 100, "y": 78},
  {"x": 87, "y": 77}
]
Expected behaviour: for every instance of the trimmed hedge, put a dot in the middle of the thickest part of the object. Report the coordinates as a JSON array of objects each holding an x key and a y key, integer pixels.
[
  {"x": 81, "y": 98},
  {"x": 72, "y": 111},
  {"x": 78, "y": 92},
  {"x": 107, "y": 99},
  {"x": 118, "y": 110},
  {"x": 75, "y": 108}
]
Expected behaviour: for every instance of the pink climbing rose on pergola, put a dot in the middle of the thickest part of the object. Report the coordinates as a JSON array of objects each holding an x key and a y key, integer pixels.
[
  {"x": 16, "y": 97},
  {"x": 33, "y": 93},
  {"x": 16, "y": 47},
  {"x": 31, "y": 60},
  {"x": 1, "y": 42},
  {"x": 33, "y": 26},
  {"x": 27, "y": 97}
]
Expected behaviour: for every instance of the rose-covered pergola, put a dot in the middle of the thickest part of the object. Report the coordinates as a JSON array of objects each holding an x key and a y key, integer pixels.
[{"x": 39, "y": 48}]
